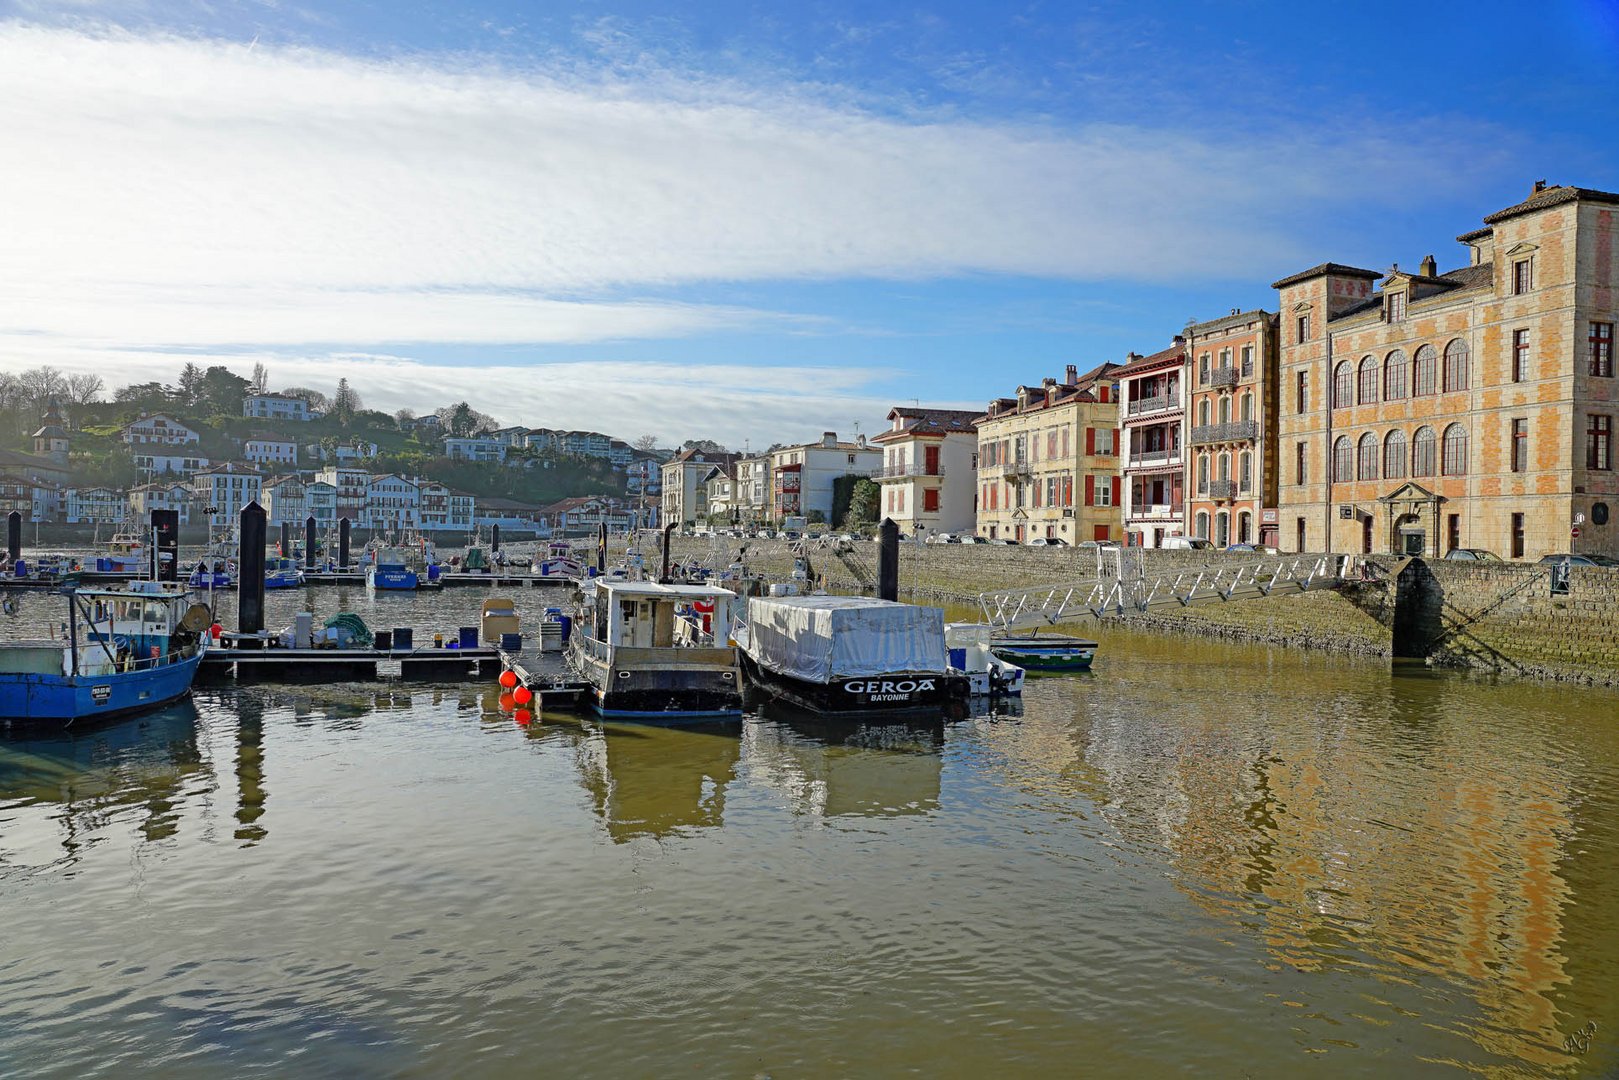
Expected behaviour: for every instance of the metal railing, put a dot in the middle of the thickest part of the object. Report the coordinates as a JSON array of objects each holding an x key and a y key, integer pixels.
[
  {"x": 1222, "y": 489},
  {"x": 906, "y": 469},
  {"x": 1148, "y": 404},
  {"x": 1237, "y": 431},
  {"x": 1225, "y": 376},
  {"x": 1116, "y": 592},
  {"x": 1155, "y": 457}
]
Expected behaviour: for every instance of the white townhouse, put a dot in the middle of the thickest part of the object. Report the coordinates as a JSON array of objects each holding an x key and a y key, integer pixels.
[
  {"x": 227, "y": 489},
  {"x": 266, "y": 449},
  {"x": 392, "y": 502},
  {"x": 349, "y": 489},
  {"x": 160, "y": 460},
  {"x": 276, "y": 407},
  {"x": 102, "y": 505},
  {"x": 474, "y": 448},
  {"x": 160, "y": 496},
  {"x": 159, "y": 430},
  {"x": 285, "y": 500}
]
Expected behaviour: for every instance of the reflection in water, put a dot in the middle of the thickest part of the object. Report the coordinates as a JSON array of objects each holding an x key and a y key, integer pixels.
[
  {"x": 64, "y": 786},
  {"x": 646, "y": 780},
  {"x": 832, "y": 768},
  {"x": 250, "y": 768}
]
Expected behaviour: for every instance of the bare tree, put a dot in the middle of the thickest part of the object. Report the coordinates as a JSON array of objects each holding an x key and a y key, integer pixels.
[
  {"x": 261, "y": 379},
  {"x": 84, "y": 389},
  {"x": 405, "y": 418},
  {"x": 313, "y": 398},
  {"x": 42, "y": 384},
  {"x": 645, "y": 442}
]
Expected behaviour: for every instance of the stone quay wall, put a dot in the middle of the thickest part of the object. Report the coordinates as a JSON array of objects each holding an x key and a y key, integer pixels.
[{"x": 1495, "y": 617}]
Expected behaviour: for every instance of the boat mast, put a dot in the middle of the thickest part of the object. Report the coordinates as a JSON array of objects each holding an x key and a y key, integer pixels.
[{"x": 73, "y": 631}]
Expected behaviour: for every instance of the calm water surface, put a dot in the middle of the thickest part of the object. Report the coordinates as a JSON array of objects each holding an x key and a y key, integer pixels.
[{"x": 1204, "y": 858}]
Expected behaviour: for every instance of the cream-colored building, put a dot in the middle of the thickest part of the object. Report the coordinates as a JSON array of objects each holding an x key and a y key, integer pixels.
[
  {"x": 803, "y": 478},
  {"x": 929, "y": 475},
  {"x": 1048, "y": 463},
  {"x": 683, "y": 496},
  {"x": 1423, "y": 411}
]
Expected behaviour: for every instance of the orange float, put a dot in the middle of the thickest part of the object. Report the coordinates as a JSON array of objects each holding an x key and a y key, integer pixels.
[{"x": 508, "y": 678}]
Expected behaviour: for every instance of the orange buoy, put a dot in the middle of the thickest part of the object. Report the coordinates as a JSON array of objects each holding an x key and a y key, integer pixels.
[
  {"x": 508, "y": 678},
  {"x": 523, "y": 717},
  {"x": 506, "y": 703},
  {"x": 522, "y": 695}
]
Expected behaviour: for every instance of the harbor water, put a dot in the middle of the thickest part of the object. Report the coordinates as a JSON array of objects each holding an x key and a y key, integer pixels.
[{"x": 1202, "y": 858}]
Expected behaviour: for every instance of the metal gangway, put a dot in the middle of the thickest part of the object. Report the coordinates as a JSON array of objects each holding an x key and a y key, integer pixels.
[{"x": 1122, "y": 587}]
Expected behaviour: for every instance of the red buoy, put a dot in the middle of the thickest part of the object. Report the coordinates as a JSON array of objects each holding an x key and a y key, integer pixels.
[
  {"x": 508, "y": 679},
  {"x": 523, "y": 717},
  {"x": 522, "y": 695}
]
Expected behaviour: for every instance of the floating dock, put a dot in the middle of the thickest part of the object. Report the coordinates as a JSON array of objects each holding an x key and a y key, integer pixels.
[
  {"x": 556, "y": 693},
  {"x": 278, "y": 664}
]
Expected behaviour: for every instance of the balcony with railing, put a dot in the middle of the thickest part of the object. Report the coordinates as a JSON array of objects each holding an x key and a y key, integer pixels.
[
  {"x": 1237, "y": 431},
  {"x": 1141, "y": 406},
  {"x": 1170, "y": 511},
  {"x": 1225, "y": 376},
  {"x": 1222, "y": 489},
  {"x": 905, "y": 470},
  {"x": 1153, "y": 459}
]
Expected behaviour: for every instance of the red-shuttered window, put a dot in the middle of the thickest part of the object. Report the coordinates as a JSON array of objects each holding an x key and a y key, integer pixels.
[
  {"x": 930, "y": 500},
  {"x": 1090, "y": 491}
]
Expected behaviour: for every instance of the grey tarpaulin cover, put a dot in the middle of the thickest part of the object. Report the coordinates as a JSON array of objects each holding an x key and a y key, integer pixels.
[{"x": 820, "y": 638}]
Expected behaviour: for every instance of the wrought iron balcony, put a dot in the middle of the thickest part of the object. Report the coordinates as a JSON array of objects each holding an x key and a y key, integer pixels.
[
  {"x": 1147, "y": 458},
  {"x": 1225, "y": 376},
  {"x": 907, "y": 469},
  {"x": 1222, "y": 489},
  {"x": 1218, "y": 433},
  {"x": 1148, "y": 404}
]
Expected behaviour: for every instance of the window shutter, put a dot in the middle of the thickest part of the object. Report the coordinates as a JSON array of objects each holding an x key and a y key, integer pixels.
[
  {"x": 1115, "y": 491},
  {"x": 1115, "y": 441},
  {"x": 1090, "y": 441},
  {"x": 1090, "y": 489}
]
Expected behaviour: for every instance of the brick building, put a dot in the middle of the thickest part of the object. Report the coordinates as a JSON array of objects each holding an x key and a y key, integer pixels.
[
  {"x": 1048, "y": 461},
  {"x": 1231, "y": 470},
  {"x": 1471, "y": 408}
]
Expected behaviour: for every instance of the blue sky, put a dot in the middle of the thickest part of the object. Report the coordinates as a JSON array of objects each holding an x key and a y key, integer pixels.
[{"x": 741, "y": 220}]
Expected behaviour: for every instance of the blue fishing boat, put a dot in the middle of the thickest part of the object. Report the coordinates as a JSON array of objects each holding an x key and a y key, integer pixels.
[
  {"x": 128, "y": 649},
  {"x": 282, "y": 573},
  {"x": 389, "y": 573}
]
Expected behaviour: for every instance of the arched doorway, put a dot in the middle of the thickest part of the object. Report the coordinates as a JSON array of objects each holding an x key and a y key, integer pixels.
[
  {"x": 1410, "y": 538},
  {"x": 1245, "y": 528}
]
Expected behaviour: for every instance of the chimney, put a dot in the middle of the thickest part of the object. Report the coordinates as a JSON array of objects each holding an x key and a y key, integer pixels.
[
  {"x": 860, "y": 441},
  {"x": 1430, "y": 268},
  {"x": 1073, "y": 376},
  {"x": 829, "y": 438},
  {"x": 1048, "y": 382},
  {"x": 1540, "y": 185}
]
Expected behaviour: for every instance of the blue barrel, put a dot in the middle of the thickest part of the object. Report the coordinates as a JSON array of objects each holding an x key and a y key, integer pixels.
[
  {"x": 433, "y": 572},
  {"x": 21, "y": 568},
  {"x": 958, "y": 659},
  {"x": 404, "y": 638},
  {"x": 468, "y": 637},
  {"x": 567, "y": 628},
  {"x": 511, "y": 643}
]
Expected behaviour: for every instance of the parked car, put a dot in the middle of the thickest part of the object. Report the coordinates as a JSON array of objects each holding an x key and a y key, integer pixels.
[
  {"x": 1186, "y": 543},
  {"x": 1007, "y": 540},
  {"x": 1097, "y": 545},
  {"x": 1579, "y": 560},
  {"x": 1047, "y": 541},
  {"x": 974, "y": 540},
  {"x": 1472, "y": 555}
]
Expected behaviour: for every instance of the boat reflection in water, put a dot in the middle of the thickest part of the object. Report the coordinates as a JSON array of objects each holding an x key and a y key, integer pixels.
[
  {"x": 647, "y": 780},
  {"x": 59, "y": 788}
]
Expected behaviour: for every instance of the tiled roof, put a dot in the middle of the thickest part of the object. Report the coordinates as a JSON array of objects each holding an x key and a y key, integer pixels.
[
  {"x": 1325, "y": 268},
  {"x": 1466, "y": 277},
  {"x": 1176, "y": 351},
  {"x": 1476, "y": 234},
  {"x": 1555, "y": 195}
]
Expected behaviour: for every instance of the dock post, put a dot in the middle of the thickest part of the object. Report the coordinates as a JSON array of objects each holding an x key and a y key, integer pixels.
[
  {"x": 668, "y": 531},
  {"x": 14, "y": 536},
  {"x": 286, "y": 539},
  {"x": 888, "y": 560},
  {"x": 343, "y": 545},
  {"x": 601, "y": 549},
  {"x": 250, "y": 571},
  {"x": 494, "y": 539},
  {"x": 165, "y": 553},
  {"x": 309, "y": 543}
]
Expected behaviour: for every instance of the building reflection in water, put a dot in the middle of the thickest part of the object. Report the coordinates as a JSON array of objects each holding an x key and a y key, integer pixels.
[
  {"x": 646, "y": 780},
  {"x": 250, "y": 793},
  {"x": 58, "y": 788},
  {"x": 833, "y": 768},
  {"x": 1397, "y": 836}
]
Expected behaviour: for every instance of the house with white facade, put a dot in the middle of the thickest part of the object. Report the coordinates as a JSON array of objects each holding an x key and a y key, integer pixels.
[
  {"x": 276, "y": 407},
  {"x": 474, "y": 448},
  {"x": 170, "y": 495},
  {"x": 591, "y": 444},
  {"x": 682, "y": 483},
  {"x": 266, "y": 449},
  {"x": 101, "y": 505},
  {"x": 543, "y": 439},
  {"x": 929, "y": 475},
  {"x": 285, "y": 500},
  {"x": 392, "y": 503},
  {"x": 803, "y": 477},
  {"x": 226, "y": 489},
  {"x": 349, "y": 452},
  {"x": 35, "y": 500},
  {"x": 514, "y": 437},
  {"x": 160, "y": 460},
  {"x": 349, "y": 486},
  {"x": 158, "y": 430},
  {"x": 443, "y": 509}
]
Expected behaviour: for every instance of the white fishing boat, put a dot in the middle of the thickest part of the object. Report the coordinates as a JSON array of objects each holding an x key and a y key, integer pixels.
[{"x": 972, "y": 654}]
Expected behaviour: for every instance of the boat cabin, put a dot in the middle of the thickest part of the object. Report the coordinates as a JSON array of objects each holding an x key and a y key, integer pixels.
[{"x": 646, "y": 615}]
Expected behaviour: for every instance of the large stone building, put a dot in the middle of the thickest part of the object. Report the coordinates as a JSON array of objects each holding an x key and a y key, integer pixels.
[
  {"x": 683, "y": 496},
  {"x": 929, "y": 475},
  {"x": 1048, "y": 461},
  {"x": 1231, "y": 469},
  {"x": 1152, "y": 419},
  {"x": 1470, "y": 408}
]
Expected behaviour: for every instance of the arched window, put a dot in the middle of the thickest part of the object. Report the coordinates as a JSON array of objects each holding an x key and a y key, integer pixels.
[
  {"x": 1203, "y": 413},
  {"x": 1222, "y": 529},
  {"x": 1203, "y": 473},
  {"x": 1245, "y": 528},
  {"x": 1225, "y": 410},
  {"x": 1423, "y": 445},
  {"x": 1247, "y": 408},
  {"x": 1454, "y": 461},
  {"x": 1225, "y": 467},
  {"x": 1203, "y": 524},
  {"x": 1203, "y": 370},
  {"x": 1343, "y": 459},
  {"x": 1456, "y": 364},
  {"x": 1343, "y": 385},
  {"x": 1245, "y": 471},
  {"x": 1394, "y": 456},
  {"x": 1394, "y": 376},
  {"x": 1366, "y": 465},
  {"x": 1368, "y": 380},
  {"x": 1422, "y": 371}
]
